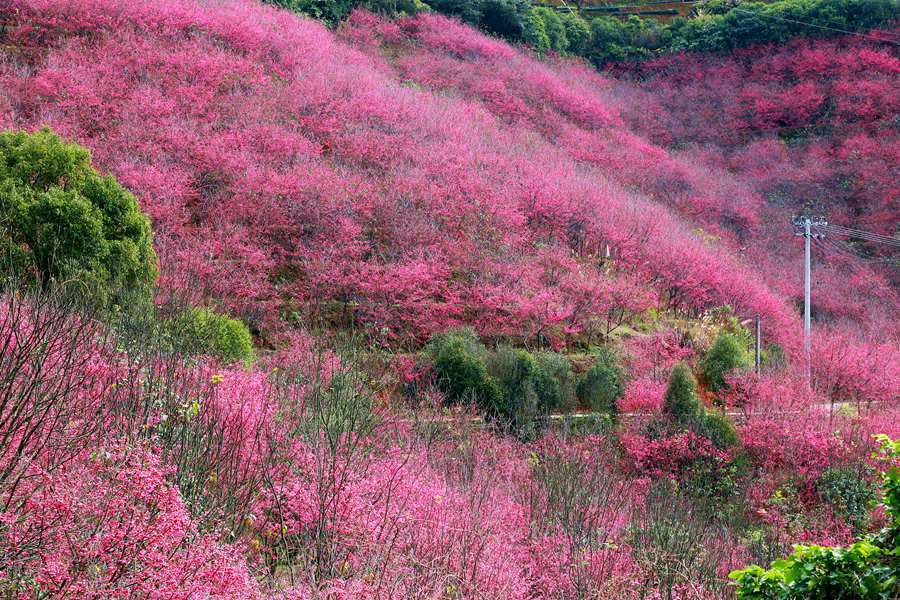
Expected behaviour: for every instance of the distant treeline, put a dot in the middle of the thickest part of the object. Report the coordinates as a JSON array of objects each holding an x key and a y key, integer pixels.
[{"x": 716, "y": 25}]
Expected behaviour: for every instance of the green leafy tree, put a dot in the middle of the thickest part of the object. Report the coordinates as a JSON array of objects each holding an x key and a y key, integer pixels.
[
  {"x": 202, "y": 331},
  {"x": 681, "y": 402},
  {"x": 535, "y": 32},
  {"x": 601, "y": 386},
  {"x": 503, "y": 18},
  {"x": 578, "y": 33},
  {"x": 868, "y": 568},
  {"x": 555, "y": 28},
  {"x": 726, "y": 355},
  {"x": 63, "y": 220},
  {"x": 556, "y": 381},
  {"x": 458, "y": 359}
]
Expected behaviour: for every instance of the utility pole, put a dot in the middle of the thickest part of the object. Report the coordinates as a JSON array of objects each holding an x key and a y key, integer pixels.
[{"x": 804, "y": 226}]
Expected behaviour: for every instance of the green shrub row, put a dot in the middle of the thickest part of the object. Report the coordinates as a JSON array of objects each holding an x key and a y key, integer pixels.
[{"x": 514, "y": 387}]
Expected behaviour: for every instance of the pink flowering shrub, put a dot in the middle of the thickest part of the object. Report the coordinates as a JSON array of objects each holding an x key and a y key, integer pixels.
[
  {"x": 671, "y": 455},
  {"x": 643, "y": 396},
  {"x": 654, "y": 355},
  {"x": 108, "y": 524}
]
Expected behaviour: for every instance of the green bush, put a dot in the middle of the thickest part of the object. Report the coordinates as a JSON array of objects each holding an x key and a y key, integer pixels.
[
  {"x": 556, "y": 382},
  {"x": 458, "y": 359},
  {"x": 535, "y": 32},
  {"x": 716, "y": 481},
  {"x": 727, "y": 354},
  {"x": 850, "y": 491},
  {"x": 503, "y": 18},
  {"x": 511, "y": 386},
  {"x": 201, "y": 331},
  {"x": 717, "y": 428},
  {"x": 868, "y": 568},
  {"x": 681, "y": 403},
  {"x": 68, "y": 223},
  {"x": 601, "y": 385},
  {"x": 578, "y": 33},
  {"x": 520, "y": 378},
  {"x": 464, "y": 336},
  {"x": 545, "y": 30}
]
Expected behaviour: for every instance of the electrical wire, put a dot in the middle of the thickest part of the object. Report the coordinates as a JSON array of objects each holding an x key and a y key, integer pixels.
[
  {"x": 851, "y": 266},
  {"x": 859, "y": 231},
  {"x": 863, "y": 235},
  {"x": 852, "y": 257},
  {"x": 850, "y": 253},
  {"x": 851, "y": 230}
]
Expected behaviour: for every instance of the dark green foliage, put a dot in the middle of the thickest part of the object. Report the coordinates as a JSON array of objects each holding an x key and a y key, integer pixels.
[
  {"x": 556, "y": 381},
  {"x": 519, "y": 377},
  {"x": 578, "y": 33},
  {"x": 727, "y": 354},
  {"x": 535, "y": 32},
  {"x": 601, "y": 386},
  {"x": 614, "y": 40},
  {"x": 716, "y": 482},
  {"x": 681, "y": 403},
  {"x": 458, "y": 359},
  {"x": 722, "y": 26},
  {"x": 545, "y": 30},
  {"x": 682, "y": 406},
  {"x": 868, "y": 568},
  {"x": 533, "y": 385},
  {"x": 849, "y": 491},
  {"x": 333, "y": 12},
  {"x": 200, "y": 331},
  {"x": 717, "y": 428},
  {"x": 503, "y": 18},
  {"x": 513, "y": 387},
  {"x": 62, "y": 219}
]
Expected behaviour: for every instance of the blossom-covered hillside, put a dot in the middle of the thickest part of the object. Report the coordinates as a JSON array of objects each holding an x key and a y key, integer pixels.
[
  {"x": 811, "y": 125},
  {"x": 436, "y": 318},
  {"x": 285, "y": 171}
]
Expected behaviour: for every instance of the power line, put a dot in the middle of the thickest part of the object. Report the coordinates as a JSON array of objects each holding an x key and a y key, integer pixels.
[
  {"x": 830, "y": 251},
  {"x": 863, "y": 235},
  {"x": 853, "y": 259},
  {"x": 860, "y": 231},
  {"x": 870, "y": 37},
  {"x": 851, "y": 253}
]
